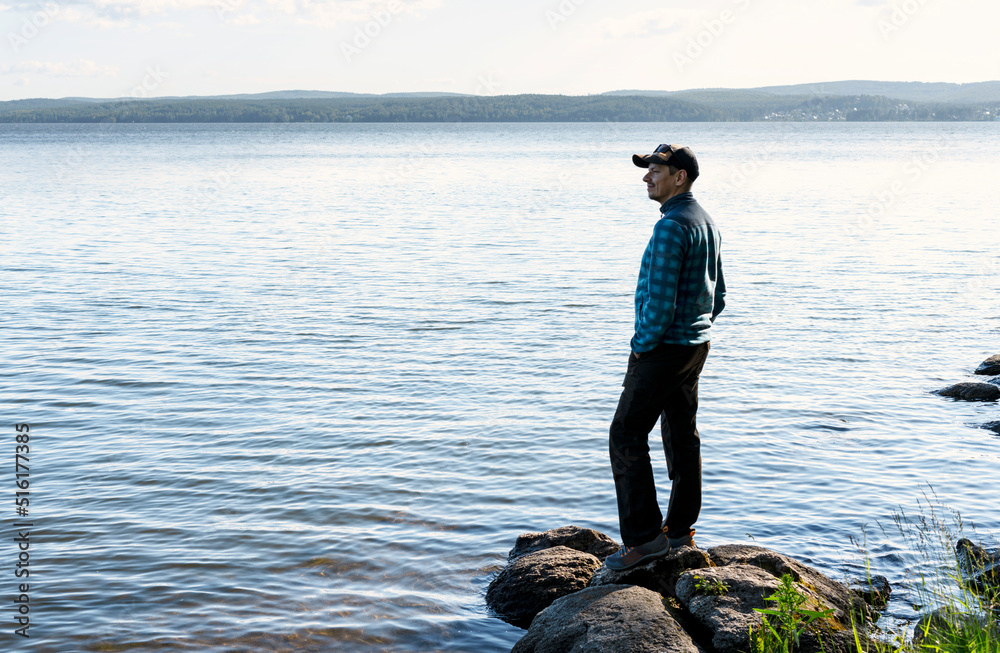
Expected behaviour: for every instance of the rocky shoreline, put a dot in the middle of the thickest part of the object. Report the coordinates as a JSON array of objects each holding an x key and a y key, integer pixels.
[
  {"x": 556, "y": 586},
  {"x": 689, "y": 601}
]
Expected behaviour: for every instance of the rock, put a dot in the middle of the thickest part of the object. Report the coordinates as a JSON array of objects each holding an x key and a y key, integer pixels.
[
  {"x": 532, "y": 582},
  {"x": 939, "y": 630},
  {"x": 874, "y": 591},
  {"x": 569, "y": 601},
  {"x": 659, "y": 575},
  {"x": 607, "y": 618},
  {"x": 582, "y": 539},
  {"x": 838, "y": 641},
  {"x": 990, "y": 366},
  {"x": 992, "y": 426},
  {"x": 729, "y": 615},
  {"x": 833, "y": 593},
  {"x": 725, "y": 599},
  {"x": 969, "y": 391},
  {"x": 979, "y": 567},
  {"x": 995, "y": 380}
]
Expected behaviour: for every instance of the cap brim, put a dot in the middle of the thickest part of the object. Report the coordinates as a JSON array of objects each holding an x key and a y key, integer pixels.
[{"x": 643, "y": 160}]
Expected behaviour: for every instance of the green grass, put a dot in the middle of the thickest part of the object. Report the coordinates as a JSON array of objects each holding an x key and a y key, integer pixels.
[
  {"x": 786, "y": 622},
  {"x": 959, "y": 616}
]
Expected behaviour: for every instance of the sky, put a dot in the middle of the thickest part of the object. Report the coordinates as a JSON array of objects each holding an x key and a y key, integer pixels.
[{"x": 151, "y": 48}]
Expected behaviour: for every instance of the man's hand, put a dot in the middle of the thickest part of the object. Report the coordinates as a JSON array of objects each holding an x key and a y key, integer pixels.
[{"x": 637, "y": 355}]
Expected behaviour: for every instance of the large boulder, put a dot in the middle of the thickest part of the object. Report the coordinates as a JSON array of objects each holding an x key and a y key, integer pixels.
[
  {"x": 990, "y": 366},
  {"x": 582, "y": 539},
  {"x": 532, "y": 582},
  {"x": 727, "y": 612},
  {"x": 969, "y": 391},
  {"x": 725, "y": 601},
  {"x": 607, "y": 618},
  {"x": 835, "y": 594},
  {"x": 979, "y": 567},
  {"x": 659, "y": 575}
]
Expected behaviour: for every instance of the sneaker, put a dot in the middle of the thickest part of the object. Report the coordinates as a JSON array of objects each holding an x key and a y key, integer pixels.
[
  {"x": 630, "y": 556},
  {"x": 683, "y": 540}
]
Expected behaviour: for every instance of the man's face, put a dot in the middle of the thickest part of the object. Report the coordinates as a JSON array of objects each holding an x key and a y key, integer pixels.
[{"x": 660, "y": 183}]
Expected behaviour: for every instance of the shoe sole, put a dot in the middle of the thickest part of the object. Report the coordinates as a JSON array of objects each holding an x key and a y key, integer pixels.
[{"x": 645, "y": 558}]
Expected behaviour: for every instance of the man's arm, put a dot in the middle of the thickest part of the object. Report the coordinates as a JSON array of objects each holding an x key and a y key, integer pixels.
[
  {"x": 656, "y": 315},
  {"x": 720, "y": 292}
]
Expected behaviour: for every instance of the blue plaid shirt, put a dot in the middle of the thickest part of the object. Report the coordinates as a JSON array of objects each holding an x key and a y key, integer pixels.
[{"x": 681, "y": 289}]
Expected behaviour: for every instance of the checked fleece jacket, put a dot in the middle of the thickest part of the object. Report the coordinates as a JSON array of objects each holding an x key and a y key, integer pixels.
[{"x": 681, "y": 289}]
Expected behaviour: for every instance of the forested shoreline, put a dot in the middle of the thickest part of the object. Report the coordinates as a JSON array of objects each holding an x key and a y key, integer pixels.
[{"x": 501, "y": 108}]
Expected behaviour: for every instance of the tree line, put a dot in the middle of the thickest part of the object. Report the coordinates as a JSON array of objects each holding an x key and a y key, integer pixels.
[{"x": 503, "y": 108}]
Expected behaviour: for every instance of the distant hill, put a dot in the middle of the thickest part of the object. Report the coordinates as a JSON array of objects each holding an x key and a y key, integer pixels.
[
  {"x": 300, "y": 95},
  {"x": 276, "y": 95},
  {"x": 978, "y": 92},
  {"x": 913, "y": 91},
  {"x": 42, "y": 103},
  {"x": 501, "y": 108},
  {"x": 832, "y": 101},
  {"x": 271, "y": 95}
]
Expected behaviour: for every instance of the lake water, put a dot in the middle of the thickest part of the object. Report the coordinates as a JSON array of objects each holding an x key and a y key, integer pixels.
[{"x": 299, "y": 387}]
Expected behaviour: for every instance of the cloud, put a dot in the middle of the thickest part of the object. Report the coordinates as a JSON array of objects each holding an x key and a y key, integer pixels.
[
  {"x": 653, "y": 22},
  {"x": 90, "y": 17},
  {"x": 79, "y": 68},
  {"x": 116, "y": 8},
  {"x": 122, "y": 14},
  {"x": 243, "y": 19},
  {"x": 22, "y": 81},
  {"x": 129, "y": 8},
  {"x": 328, "y": 13}
]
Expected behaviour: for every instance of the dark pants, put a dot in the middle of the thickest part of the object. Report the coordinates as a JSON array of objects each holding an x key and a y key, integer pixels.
[{"x": 662, "y": 384}]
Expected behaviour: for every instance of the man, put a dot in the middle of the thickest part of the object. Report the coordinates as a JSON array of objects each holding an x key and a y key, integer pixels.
[{"x": 679, "y": 294}]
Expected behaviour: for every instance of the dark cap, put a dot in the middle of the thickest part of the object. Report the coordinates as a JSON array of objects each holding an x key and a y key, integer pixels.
[{"x": 670, "y": 155}]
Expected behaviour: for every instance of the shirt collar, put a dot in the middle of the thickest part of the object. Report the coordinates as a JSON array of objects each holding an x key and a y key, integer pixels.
[{"x": 675, "y": 200}]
